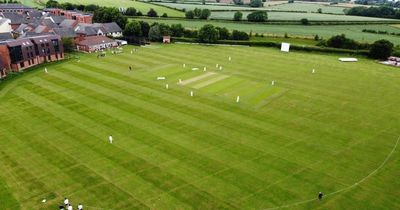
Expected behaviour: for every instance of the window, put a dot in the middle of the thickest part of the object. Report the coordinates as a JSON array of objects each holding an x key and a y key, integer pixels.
[
  {"x": 22, "y": 64},
  {"x": 55, "y": 45},
  {"x": 15, "y": 54}
]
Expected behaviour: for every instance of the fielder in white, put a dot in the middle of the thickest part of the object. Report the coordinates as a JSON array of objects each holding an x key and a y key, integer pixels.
[{"x": 110, "y": 139}]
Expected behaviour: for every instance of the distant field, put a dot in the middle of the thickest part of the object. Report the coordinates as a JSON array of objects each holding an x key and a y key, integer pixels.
[
  {"x": 308, "y": 7},
  {"x": 352, "y": 31},
  {"x": 207, "y": 6},
  {"x": 141, "y": 6},
  {"x": 298, "y": 16},
  {"x": 334, "y": 131}
]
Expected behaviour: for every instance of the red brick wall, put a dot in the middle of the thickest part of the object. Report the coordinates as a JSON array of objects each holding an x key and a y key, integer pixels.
[{"x": 4, "y": 56}]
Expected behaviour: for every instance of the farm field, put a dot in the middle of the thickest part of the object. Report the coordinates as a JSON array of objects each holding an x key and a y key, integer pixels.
[
  {"x": 207, "y": 6},
  {"x": 325, "y": 31},
  {"x": 280, "y": 6},
  {"x": 141, "y": 6},
  {"x": 308, "y": 7},
  {"x": 299, "y": 16},
  {"x": 280, "y": 145}
]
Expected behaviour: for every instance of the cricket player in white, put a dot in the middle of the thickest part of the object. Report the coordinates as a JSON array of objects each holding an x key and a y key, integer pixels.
[
  {"x": 80, "y": 207},
  {"x": 110, "y": 138},
  {"x": 66, "y": 201},
  {"x": 69, "y": 207}
]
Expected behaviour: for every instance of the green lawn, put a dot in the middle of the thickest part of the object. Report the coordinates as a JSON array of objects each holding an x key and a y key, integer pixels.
[
  {"x": 299, "y": 16},
  {"x": 325, "y": 31},
  {"x": 280, "y": 145},
  {"x": 141, "y": 6}
]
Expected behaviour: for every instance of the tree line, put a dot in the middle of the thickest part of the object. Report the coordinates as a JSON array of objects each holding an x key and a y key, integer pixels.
[
  {"x": 207, "y": 34},
  {"x": 380, "y": 49},
  {"x": 381, "y": 12}
]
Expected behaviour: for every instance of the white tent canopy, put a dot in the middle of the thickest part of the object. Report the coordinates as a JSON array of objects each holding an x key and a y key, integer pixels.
[{"x": 348, "y": 59}]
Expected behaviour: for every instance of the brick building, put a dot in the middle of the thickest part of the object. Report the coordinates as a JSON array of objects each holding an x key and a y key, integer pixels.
[
  {"x": 81, "y": 17},
  {"x": 20, "y": 54},
  {"x": 95, "y": 43},
  {"x": 15, "y": 8}
]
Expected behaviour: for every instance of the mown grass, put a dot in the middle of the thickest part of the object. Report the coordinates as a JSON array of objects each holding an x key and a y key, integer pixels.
[{"x": 280, "y": 144}]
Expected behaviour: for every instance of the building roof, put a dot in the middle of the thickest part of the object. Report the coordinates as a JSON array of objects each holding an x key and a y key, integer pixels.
[
  {"x": 44, "y": 38},
  {"x": 14, "y": 17},
  {"x": 57, "y": 19},
  {"x": 65, "y": 32},
  {"x": 87, "y": 29},
  {"x": 14, "y": 6},
  {"x": 19, "y": 42},
  {"x": 67, "y": 23},
  {"x": 5, "y": 36},
  {"x": 111, "y": 27},
  {"x": 95, "y": 40},
  {"x": 34, "y": 34}
]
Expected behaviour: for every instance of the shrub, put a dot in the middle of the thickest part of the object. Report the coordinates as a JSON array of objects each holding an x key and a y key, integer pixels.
[
  {"x": 189, "y": 14},
  {"x": 208, "y": 34},
  {"x": 133, "y": 28},
  {"x": 130, "y": 11},
  {"x": 239, "y": 35},
  {"x": 237, "y": 16},
  {"x": 223, "y": 33},
  {"x": 152, "y": 13},
  {"x": 257, "y": 16},
  {"x": 204, "y": 14},
  {"x": 381, "y": 49},
  {"x": 177, "y": 30},
  {"x": 164, "y": 15},
  {"x": 304, "y": 21}
]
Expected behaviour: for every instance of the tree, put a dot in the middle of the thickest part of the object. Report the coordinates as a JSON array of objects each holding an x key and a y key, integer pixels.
[
  {"x": 319, "y": 10},
  {"x": 145, "y": 27},
  {"x": 291, "y": 1},
  {"x": 109, "y": 14},
  {"x": 316, "y": 37},
  {"x": 257, "y": 16},
  {"x": 164, "y": 15},
  {"x": 189, "y": 14},
  {"x": 91, "y": 7},
  {"x": 238, "y": 16},
  {"x": 177, "y": 30},
  {"x": 240, "y": 35},
  {"x": 208, "y": 34},
  {"x": 223, "y": 33},
  {"x": 256, "y": 3},
  {"x": 304, "y": 21},
  {"x": 130, "y": 11},
  {"x": 197, "y": 12},
  {"x": 51, "y": 4},
  {"x": 139, "y": 13},
  {"x": 154, "y": 33},
  {"x": 381, "y": 49},
  {"x": 205, "y": 13},
  {"x": 68, "y": 44},
  {"x": 133, "y": 28},
  {"x": 152, "y": 13},
  {"x": 341, "y": 41}
]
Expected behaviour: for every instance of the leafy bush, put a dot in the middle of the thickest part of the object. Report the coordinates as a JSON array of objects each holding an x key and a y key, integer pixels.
[
  {"x": 208, "y": 34},
  {"x": 237, "y": 16},
  {"x": 257, "y": 16},
  {"x": 152, "y": 13},
  {"x": 381, "y": 49},
  {"x": 239, "y": 35}
]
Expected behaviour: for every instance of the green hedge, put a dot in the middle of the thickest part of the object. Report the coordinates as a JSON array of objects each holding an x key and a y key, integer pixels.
[{"x": 278, "y": 45}]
